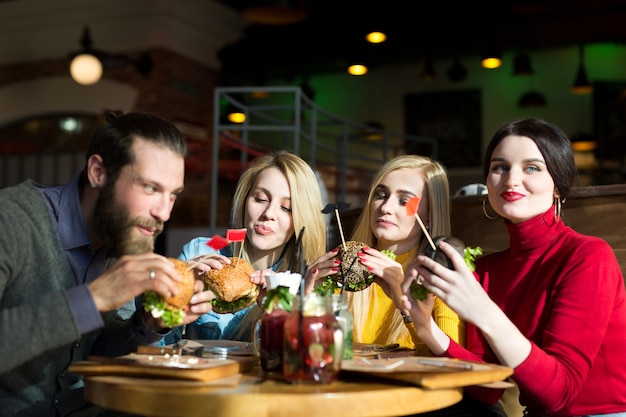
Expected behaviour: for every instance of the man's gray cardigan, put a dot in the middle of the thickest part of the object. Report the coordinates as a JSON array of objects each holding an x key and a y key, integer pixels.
[{"x": 38, "y": 335}]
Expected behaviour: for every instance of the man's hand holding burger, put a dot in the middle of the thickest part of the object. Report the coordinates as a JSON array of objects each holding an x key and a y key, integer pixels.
[
  {"x": 134, "y": 275},
  {"x": 130, "y": 276}
]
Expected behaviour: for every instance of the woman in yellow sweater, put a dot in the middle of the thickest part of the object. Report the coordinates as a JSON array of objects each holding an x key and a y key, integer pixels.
[{"x": 385, "y": 225}]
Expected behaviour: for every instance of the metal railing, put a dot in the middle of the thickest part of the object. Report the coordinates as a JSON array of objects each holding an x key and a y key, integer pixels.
[{"x": 340, "y": 149}]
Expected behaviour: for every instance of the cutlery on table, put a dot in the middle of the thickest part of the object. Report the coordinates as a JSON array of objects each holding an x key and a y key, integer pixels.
[{"x": 379, "y": 348}]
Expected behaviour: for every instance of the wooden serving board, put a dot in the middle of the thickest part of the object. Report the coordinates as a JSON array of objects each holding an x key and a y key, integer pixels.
[
  {"x": 159, "y": 366},
  {"x": 447, "y": 373}
]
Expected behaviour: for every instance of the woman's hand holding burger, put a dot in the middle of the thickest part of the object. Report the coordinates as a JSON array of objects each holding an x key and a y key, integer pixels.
[
  {"x": 386, "y": 271},
  {"x": 324, "y": 266},
  {"x": 205, "y": 263},
  {"x": 258, "y": 278},
  {"x": 458, "y": 288}
]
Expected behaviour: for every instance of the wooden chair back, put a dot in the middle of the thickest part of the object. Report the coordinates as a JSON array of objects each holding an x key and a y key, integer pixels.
[{"x": 596, "y": 210}]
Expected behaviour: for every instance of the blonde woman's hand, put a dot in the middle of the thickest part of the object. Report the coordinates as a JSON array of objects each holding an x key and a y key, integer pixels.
[
  {"x": 205, "y": 263},
  {"x": 199, "y": 304},
  {"x": 259, "y": 278},
  {"x": 324, "y": 266},
  {"x": 421, "y": 311},
  {"x": 388, "y": 273}
]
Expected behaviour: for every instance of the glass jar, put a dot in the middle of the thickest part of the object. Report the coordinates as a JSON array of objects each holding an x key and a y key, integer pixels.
[
  {"x": 270, "y": 339},
  {"x": 344, "y": 317},
  {"x": 313, "y": 346},
  {"x": 268, "y": 334}
]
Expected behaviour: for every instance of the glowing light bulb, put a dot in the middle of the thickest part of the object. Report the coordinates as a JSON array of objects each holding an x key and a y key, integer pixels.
[{"x": 86, "y": 69}]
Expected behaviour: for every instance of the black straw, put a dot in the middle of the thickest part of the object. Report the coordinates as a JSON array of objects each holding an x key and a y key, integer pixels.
[
  {"x": 296, "y": 251},
  {"x": 301, "y": 350}
]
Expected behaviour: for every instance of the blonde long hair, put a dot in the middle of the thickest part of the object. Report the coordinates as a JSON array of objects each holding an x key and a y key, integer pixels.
[
  {"x": 306, "y": 205},
  {"x": 436, "y": 184},
  {"x": 306, "y": 211}
]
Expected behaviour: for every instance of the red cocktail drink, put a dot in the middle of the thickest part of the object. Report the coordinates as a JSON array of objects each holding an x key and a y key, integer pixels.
[
  {"x": 313, "y": 343},
  {"x": 271, "y": 343}
]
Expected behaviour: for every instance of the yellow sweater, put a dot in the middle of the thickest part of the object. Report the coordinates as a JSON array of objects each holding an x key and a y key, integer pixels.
[{"x": 382, "y": 322}]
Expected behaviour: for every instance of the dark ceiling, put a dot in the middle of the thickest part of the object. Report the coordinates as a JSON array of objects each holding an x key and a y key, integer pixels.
[{"x": 332, "y": 35}]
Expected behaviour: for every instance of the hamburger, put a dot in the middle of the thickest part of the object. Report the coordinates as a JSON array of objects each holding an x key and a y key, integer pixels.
[
  {"x": 438, "y": 256},
  {"x": 352, "y": 273},
  {"x": 231, "y": 285},
  {"x": 171, "y": 310},
  {"x": 418, "y": 291}
]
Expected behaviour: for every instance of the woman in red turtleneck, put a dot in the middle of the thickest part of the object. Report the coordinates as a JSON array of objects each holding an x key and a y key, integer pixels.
[{"x": 552, "y": 306}]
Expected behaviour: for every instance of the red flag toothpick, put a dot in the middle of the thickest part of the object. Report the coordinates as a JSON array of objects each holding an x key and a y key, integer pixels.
[
  {"x": 217, "y": 242},
  {"x": 236, "y": 235},
  {"x": 411, "y": 210}
]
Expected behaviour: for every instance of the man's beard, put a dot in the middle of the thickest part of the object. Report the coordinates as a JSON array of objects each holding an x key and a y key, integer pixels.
[{"x": 117, "y": 228}]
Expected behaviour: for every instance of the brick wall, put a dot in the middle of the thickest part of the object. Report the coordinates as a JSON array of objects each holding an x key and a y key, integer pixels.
[{"x": 177, "y": 89}]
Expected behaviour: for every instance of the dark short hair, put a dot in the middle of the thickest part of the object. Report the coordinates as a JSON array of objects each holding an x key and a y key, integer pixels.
[
  {"x": 553, "y": 143},
  {"x": 113, "y": 141}
]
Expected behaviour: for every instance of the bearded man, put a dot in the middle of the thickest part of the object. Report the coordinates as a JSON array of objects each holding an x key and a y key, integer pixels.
[{"x": 73, "y": 258}]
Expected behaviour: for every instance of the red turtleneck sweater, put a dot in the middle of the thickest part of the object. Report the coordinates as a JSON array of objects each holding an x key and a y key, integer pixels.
[{"x": 565, "y": 292}]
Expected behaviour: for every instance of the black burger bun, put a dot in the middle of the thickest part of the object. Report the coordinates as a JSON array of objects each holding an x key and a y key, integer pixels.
[
  {"x": 438, "y": 255},
  {"x": 353, "y": 272}
]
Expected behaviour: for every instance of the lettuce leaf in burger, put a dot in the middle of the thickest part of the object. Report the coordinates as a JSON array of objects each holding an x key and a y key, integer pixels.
[
  {"x": 418, "y": 291},
  {"x": 171, "y": 310}
]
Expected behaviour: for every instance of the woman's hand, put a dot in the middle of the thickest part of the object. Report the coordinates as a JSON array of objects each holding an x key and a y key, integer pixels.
[
  {"x": 420, "y": 311},
  {"x": 323, "y": 266},
  {"x": 389, "y": 273},
  {"x": 259, "y": 278},
  {"x": 200, "y": 302},
  {"x": 458, "y": 288},
  {"x": 207, "y": 262}
]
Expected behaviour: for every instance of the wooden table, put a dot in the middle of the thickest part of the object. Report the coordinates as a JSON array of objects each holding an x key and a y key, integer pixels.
[
  {"x": 251, "y": 395},
  {"x": 256, "y": 398}
]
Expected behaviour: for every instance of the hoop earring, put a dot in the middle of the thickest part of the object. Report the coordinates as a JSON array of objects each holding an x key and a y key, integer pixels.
[
  {"x": 557, "y": 207},
  {"x": 485, "y": 211}
]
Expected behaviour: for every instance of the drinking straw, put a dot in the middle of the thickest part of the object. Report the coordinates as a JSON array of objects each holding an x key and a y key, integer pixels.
[
  {"x": 296, "y": 252},
  {"x": 301, "y": 350}
]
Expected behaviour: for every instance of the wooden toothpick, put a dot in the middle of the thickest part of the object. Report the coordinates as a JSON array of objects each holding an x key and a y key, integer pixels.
[{"x": 411, "y": 209}]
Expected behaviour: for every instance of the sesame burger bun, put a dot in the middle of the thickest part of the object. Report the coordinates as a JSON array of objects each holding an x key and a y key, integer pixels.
[
  {"x": 231, "y": 285},
  {"x": 357, "y": 277},
  {"x": 185, "y": 286},
  {"x": 439, "y": 256}
]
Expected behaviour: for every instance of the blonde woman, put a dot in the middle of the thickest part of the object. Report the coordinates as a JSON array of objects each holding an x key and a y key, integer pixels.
[
  {"x": 275, "y": 198},
  {"x": 385, "y": 225}
]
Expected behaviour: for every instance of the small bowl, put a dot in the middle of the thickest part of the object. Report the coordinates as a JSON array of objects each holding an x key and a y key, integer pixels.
[{"x": 285, "y": 279}]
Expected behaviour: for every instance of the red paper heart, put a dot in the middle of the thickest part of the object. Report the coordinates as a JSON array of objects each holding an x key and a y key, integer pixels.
[{"x": 411, "y": 206}]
